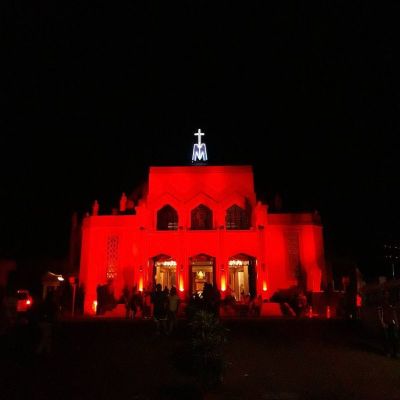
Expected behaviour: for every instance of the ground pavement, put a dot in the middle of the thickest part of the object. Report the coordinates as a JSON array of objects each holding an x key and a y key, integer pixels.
[{"x": 266, "y": 359}]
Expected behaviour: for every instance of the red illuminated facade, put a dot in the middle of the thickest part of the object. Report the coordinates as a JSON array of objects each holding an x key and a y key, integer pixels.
[{"x": 200, "y": 224}]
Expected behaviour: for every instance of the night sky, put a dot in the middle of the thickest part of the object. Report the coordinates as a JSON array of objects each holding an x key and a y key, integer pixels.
[{"x": 96, "y": 92}]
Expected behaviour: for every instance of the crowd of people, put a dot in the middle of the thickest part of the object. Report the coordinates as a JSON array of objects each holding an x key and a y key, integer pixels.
[
  {"x": 163, "y": 304},
  {"x": 160, "y": 304},
  {"x": 245, "y": 305}
]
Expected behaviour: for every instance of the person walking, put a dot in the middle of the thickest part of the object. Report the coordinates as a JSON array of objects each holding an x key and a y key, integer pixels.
[{"x": 389, "y": 322}]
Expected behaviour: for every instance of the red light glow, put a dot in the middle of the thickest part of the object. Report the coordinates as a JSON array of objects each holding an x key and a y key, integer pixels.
[
  {"x": 223, "y": 283},
  {"x": 212, "y": 198},
  {"x": 141, "y": 284},
  {"x": 181, "y": 285},
  {"x": 328, "y": 312}
]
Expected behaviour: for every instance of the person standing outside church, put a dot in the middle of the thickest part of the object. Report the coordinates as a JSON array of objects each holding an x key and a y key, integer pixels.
[
  {"x": 173, "y": 305},
  {"x": 48, "y": 313},
  {"x": 159, "y": 300},
  {"x": 301, "y": 305},
  {"x": 389, "y": 322}
]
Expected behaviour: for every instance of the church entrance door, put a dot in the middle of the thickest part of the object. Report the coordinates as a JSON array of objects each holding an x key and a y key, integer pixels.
[
  {"x": 202, "y": 271},
  {"x": 164, "y": 271},
  {"x": 242, "y": 277}
]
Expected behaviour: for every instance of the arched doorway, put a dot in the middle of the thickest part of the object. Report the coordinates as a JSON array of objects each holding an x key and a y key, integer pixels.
[
  {"x": 202, "y": 271},
  {"x": 164, "y": 271},
  {"x": 242, "y": 276}
]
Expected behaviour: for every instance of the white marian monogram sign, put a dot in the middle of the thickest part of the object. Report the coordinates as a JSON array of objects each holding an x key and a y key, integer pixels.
[{"x": 199, "y": 149}]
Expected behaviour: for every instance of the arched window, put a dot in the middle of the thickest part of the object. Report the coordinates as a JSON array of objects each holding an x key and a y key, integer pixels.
[
  {"x": 237, "y": 218},
  {"x": 167, "y": 219},
  {"x": 202, "y": 217}
]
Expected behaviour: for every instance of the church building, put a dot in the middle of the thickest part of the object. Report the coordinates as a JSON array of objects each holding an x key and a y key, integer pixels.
[{"x": 200, "y": 224}]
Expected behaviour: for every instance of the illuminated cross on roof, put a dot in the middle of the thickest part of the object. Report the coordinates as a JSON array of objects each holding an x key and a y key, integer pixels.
[{"x": 199, "y": 134}]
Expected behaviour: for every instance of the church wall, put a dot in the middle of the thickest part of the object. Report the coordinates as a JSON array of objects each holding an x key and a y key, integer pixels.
[
  {"x": 276, "y": 259},
  {"x": 221, "y": 244},
  {"x": 137, "y": 247},
  {"x": 184, "y": 188},
  {"x": 312, "y": 255},
  {"x": 122, "y": 246},
  {"x": 186, "y": 182},
  {"x": 98, "y": 234}
]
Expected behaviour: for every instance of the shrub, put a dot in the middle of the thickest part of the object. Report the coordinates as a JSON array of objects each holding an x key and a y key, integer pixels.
[{"x": 208, "y": 338}]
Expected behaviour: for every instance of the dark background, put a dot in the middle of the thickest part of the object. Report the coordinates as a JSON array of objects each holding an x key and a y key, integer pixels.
[{"x": 96, "y": 92}]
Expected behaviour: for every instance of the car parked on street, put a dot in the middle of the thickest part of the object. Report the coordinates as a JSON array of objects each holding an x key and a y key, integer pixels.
[{"x": 24, "y": 300}]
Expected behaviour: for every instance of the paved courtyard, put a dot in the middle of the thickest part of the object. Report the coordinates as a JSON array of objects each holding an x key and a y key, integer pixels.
[{"x": 267, "y": 359}]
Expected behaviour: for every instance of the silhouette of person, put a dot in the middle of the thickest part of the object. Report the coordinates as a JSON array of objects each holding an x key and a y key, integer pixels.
[
  {"x": 173, "y": 304},
  {"x": 48, "y": 311},
  {"x": 301, "y": 305},
  {"x": 389, "y": 321},
  {"x": 159, "y": 300},
  {"x": 126, "y": 299}
]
